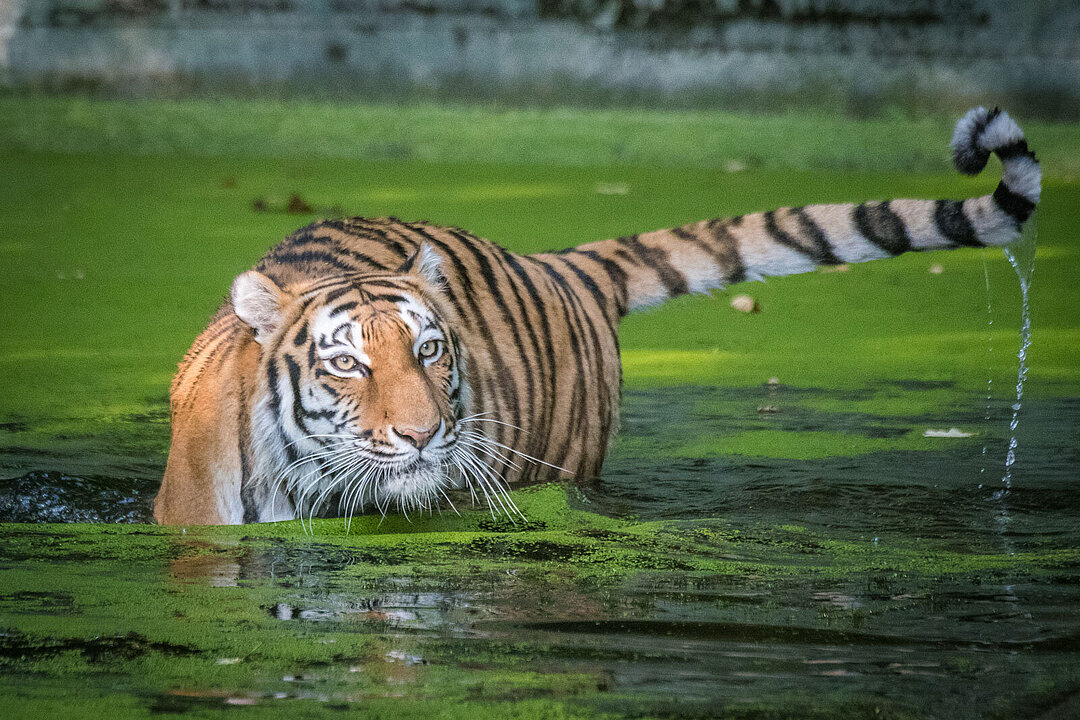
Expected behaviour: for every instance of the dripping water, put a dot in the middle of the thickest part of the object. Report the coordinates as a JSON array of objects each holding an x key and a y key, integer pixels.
[
  {"x": 989, "y": 356},
  {"x": 1021, "y": 255}
]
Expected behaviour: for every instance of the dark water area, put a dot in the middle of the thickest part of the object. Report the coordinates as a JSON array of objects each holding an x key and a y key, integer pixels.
[
  {"x": 942, "y": 491},
  {"x": 688, "y": 581},
  {"x": 951, "y": 491}
]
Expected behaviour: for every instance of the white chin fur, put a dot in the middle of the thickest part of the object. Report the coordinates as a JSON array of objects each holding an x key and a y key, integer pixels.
[{"x": 415, "y": 488}]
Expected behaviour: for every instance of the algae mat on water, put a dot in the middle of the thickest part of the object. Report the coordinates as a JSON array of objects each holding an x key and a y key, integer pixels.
[
  {"x": 570, "y": 614},
  {"x": 753, "y": 550}
]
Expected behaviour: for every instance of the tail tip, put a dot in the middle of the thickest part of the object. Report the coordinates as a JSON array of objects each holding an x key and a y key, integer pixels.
[{"x": 969, "y": 154}]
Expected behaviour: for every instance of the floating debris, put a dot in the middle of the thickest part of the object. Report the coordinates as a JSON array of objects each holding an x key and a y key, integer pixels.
[
  {"x": 745, "y": 303},
  {"x": 936, "y": 269},
  {"x": 298, "y": 206},
  {"x": 734, "y": 166},
  {"x": 768, "y": 409},
  {"x": 950, "y": 433},
  {"x": 295, "y": 205},
  {"x": 612, "y": 188}
]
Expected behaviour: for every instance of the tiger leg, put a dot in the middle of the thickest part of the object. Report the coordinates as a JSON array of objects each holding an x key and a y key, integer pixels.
[{"x": 206, "y": 465}]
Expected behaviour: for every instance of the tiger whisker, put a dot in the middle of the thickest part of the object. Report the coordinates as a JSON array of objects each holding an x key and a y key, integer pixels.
[
  {"x": 355, "y": 472},
  {"x": 478, "y": 443},
  {"x": 332, "y": 469},
  {"x": 503, "y": 488},
  {"x": 522, "y": 455},
  {"x": 474, "y": 477},
  {"x": 492, "y": 420},
  {"x": 354, "y": 494},
  {"x": 481, "y": 470}
]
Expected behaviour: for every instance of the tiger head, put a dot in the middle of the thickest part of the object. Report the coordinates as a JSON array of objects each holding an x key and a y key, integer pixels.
[{"x": 361, "y": 387}]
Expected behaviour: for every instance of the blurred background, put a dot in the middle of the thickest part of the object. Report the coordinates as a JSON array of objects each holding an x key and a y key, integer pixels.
[{"x": 861, "y": 57}]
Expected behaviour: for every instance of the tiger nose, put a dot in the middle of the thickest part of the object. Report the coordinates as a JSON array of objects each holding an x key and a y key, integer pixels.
[{"x": 417, "y": 437}]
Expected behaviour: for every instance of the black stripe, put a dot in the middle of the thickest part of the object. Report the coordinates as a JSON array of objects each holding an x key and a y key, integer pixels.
[
  {"x": 1014, "y": 150},
  {"x": 547, "y": 378},
  {"x": 727, "y": 252},
  {"x": 595, "y": 351},
  {"x": 604, "y": 405},
  {"x": 408, "y": 264},
  {"x": 301, "y": 240},
  {"x": 824, "y": 254},
  {"x": 372, "y": 231},
  {"x": 301, "y": 335},
  {"x": 488, "y": 274},
  {"x": 247, "y": 486},
  {"x": 588, "y": 281},
  {"x": 343, "y": 308},
  {"x": 617, "y": 276},
  {"x": 578, "y": 396},
  {"x": 600, "y": 298},
  {"x": 363, "y": 229},
  {"x": 275, "y": 403},
  {"x": 390, "y": 298},
  {"x": 537, "y": 387},
  {"x": 880, "y": 225},
  {"x": 656, "y": 259},
  {"x": 306, "y": 257},
  {"x": 1016, "y": 206},
  {"x": 336, "y": 294},
  {"x": 953, "y": 223},
  {"x": 820, "y": 256},
  {"x": 300, "y": 412}
]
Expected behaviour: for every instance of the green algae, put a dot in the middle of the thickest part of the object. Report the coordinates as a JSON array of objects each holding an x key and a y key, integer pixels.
[
  {"x": 806, "y": 445},
  {"x": 406, "y": 621},
  {"x": 460, "y": 614}
]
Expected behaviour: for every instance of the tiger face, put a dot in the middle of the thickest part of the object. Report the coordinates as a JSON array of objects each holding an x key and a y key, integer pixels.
[{"x": 362, "y": 390}]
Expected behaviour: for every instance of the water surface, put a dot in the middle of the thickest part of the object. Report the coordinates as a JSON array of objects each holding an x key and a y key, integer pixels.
[{"x": 687, "y": 581}]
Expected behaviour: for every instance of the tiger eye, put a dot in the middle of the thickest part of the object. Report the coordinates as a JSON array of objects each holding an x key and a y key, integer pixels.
[
  {"x": 343, "y": 363},
  {"x": 429, "y": 349}
]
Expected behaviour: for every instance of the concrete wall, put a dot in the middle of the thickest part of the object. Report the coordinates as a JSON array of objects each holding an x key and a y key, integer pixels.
[{"x": 689, "y": 51}]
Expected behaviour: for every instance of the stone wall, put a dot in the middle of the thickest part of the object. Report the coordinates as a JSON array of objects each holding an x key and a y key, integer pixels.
[{"x": 858, "y": 52}]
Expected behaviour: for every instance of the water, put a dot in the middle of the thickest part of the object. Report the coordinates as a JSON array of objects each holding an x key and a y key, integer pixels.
[
  {"x": 1021, "y": 255},
  {"x": 989, "y": 351},
  {"x": 680, "y": 584}
]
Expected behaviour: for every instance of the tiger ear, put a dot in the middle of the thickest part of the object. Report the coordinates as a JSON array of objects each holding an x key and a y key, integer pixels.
[
  {"x": 425, "y": 262},
  {"x": 259, "y": 302}
]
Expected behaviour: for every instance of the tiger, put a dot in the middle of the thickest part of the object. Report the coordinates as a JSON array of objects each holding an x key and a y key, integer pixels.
[{"x": 379, "y": 364}]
